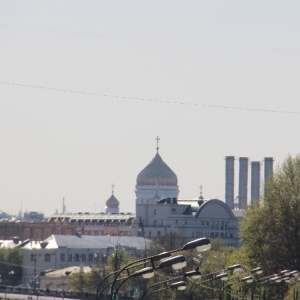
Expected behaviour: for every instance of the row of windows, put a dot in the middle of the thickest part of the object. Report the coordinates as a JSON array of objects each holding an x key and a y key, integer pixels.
[
  {"x": 150, "y": 234},
  {"x": 214, "y": 225},
  {"x": 203, "y": 234},
  {"x": 172, "y": 210},
  {"x": 212, "y": 234},
  {"x": 70, "y": 257}
]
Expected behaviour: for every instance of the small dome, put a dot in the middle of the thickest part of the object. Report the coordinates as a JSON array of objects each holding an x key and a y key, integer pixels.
[
  {"x": 157, "y": 172},
  {"x": 112, "y": 202}
]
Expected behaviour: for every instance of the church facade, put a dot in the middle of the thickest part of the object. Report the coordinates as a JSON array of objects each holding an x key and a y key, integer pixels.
[{"x": 160, "y": 211}]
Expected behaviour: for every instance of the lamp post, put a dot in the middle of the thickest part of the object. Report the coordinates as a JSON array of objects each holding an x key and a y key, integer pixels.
[
  {"x": 177, "y": 262},
  {"x": 191, "y": 274},
  {"x": 146, "y": 273},
  {"x": 245, "y": 277},
  {"x": 99, "y": 294},
  {"x": 179, "y": 286},
  {"x": 224, "y": 276},
  {"x": 283, "y": 276}
]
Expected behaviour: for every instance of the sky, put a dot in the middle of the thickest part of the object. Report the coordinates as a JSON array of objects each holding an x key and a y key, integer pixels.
[{"x": 86, "y": 86}]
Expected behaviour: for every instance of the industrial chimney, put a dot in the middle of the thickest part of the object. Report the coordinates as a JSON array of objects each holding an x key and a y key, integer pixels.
[
  {"x": 255, "y": 180},
  {"x": 268, "y": 169},
  {"x": 229, "y": 181},
  {"x": 243, "y": 182}
]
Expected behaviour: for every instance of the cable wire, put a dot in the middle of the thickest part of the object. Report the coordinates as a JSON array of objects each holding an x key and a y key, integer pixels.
[{"x": 149, "y": 100}]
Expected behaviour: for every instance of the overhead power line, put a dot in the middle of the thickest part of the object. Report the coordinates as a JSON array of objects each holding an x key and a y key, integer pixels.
[{"x": 148, "y": 99}]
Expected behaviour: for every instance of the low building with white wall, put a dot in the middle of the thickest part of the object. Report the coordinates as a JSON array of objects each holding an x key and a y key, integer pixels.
[{"x": 62, "y": 251}]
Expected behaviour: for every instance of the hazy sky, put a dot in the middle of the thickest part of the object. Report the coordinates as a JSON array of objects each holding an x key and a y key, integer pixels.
[{"x": 86, "y": 86}]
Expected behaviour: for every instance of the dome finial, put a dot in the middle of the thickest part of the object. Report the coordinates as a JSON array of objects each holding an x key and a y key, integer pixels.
[
  {"x": 201, "y": 196},
  {"x": 112, "y": 188},
  {"x": 157, "y": 141}
]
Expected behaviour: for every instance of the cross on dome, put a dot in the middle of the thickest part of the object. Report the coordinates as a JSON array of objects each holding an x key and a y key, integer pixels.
[
  {"x": 157, "y": 141},
  {"x": 112, "y": 188}
]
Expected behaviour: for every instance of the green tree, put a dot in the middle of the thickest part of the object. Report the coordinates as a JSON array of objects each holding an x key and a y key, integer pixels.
[
  {"x": 212, "y": 262},
  {"x": 87, "y": 281},
  {"x": 167, "y": 242},
  {"x": 11, "y": 266},
  {"x": 119, "y": 258},
  {"x": 270, "y": 231}
]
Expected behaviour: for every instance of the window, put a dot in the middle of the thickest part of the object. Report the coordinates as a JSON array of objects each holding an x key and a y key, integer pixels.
[
  {"x": 91, "y": 257},
  {"x": 222, "y": 225},
  {"x": 70, "y": 257},
  {"x": 76, "y": 257},
  {"x": 154, "y": 212},
  {"x": 173, "y": 209},
  {"x": 158, "y": 233},
  {"x": 33, "y": 257},
  {"x": 149, "y": 233},
  {"x": 83, "y": 257},
  {"x": 154, "y": 223},
  {"x": 62, "y": 257},
  {"x": 47, "y": 257}
]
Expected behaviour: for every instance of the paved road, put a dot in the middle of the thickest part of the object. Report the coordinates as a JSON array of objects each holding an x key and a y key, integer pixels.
[{"x": 9, "y": 296}]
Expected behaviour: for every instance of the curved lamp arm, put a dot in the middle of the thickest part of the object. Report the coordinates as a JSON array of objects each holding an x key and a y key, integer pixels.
[
  {"x": 180, "y": 286},
  {"x": 146, "y": 273},
  {"x": 201, "y": 244},
  {"x": 98, "y": 294}
]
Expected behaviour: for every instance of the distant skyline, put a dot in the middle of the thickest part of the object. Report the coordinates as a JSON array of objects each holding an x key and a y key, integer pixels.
[{"x": 85, "y": 88}]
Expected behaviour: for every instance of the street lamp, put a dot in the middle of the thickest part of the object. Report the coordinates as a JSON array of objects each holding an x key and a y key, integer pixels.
[
  {"x": 179, "y": 286},
  {"x": 241, "y": 278},
  {"x": 177, "y": 262},
  {"x": 99, "y": 294},
  {"x": 257, "y": 270},
  {"x": 145, "y": 273},
  {"x": 235, "y": 268},
  {"x": 190, "y": 274},
  {"x": 193, "y": 274}
]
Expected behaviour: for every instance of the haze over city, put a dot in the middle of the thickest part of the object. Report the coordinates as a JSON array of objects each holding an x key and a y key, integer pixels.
[{"x": 85, "y": 88}]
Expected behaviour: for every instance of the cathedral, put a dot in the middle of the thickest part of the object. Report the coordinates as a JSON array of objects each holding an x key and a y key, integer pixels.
[{"x": 160, "y": 211}]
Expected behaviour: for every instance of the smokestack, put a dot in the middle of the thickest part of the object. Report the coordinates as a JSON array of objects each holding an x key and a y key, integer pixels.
[
  {"x": 255, "y": 180},
  {"x": 63, "y": 206},
  {"x": 268, "y": 169},
  {"x": 243, "y": 182},
  {"x": 229, "y": 181}
]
